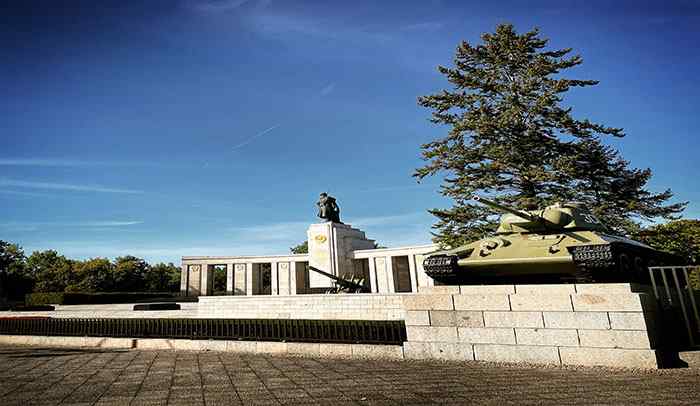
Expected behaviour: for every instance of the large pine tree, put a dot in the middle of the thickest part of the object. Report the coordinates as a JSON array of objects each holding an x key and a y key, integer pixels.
[{"x": 510, "y": 138}]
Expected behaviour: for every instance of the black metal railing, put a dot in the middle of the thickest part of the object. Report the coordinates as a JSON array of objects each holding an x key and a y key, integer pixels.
[{"x": 326, "y": 331}]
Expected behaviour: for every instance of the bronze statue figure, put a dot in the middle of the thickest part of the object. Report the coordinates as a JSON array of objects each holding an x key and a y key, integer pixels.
[{"x": 327, "y": 208}]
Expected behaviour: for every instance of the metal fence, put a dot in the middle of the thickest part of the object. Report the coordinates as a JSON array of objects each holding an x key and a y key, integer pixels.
[
  {"x": 327, "y": 331},
  {"x": 678, "y": 302}
]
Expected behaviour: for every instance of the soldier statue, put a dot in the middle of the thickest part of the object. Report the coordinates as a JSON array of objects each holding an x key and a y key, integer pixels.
[{"x": 327, "y": 208}]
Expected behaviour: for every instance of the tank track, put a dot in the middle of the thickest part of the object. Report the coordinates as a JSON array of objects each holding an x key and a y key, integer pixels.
[{"x": 615, "y": 262}]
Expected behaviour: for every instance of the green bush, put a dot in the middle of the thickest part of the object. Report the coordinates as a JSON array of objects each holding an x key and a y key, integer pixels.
[{"x": 44, "y": 298}]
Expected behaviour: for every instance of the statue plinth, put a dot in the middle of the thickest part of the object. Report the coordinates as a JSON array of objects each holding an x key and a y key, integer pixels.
[{"x": 330, "y": 250}]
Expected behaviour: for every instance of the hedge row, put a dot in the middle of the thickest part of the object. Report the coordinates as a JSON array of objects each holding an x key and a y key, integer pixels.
[{"x": 47, "y": 298}]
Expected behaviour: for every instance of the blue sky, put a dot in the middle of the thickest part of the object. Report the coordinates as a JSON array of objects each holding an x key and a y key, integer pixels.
[{"x": 170, "y": 128}]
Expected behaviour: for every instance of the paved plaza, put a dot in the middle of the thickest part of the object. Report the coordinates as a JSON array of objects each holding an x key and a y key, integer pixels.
[{"x": 51, "y": 376}]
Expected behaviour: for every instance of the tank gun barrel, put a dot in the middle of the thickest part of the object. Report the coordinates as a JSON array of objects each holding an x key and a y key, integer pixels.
[{"x": 521, "y": 214}]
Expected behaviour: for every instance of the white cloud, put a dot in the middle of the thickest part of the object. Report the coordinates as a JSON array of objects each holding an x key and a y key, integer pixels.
[
  {"x": 108, "y": 223},
  {"x": 65, "y": 186},
  {"x": 34, "y": 225}
]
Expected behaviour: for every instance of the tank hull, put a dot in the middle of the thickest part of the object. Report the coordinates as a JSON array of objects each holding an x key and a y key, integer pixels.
[{"x": 584, "y": 256}]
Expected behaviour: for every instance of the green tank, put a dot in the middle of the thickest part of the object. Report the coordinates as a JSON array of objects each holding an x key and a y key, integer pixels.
[{"x": 563, "y": 242}]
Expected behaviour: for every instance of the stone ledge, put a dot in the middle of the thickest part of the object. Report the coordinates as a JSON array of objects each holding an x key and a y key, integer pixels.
[
  {"x": 517, "y": 353},
  {"x": 609, "y": 357},
  {"x": 377, "y": 351},
  {"x": 633, "y": 339},
  {"x": 438, "y": 290},
  {"x": 554, "y": 289},
  {"x": 614, "y": 288},
  {"x": 442, "y": 351},
  {"x": 259, "y": 347},
  {"x": 431, "y": 334},
  {"x": 486, "y": 289},
  {"x": 486, "y": 335}
]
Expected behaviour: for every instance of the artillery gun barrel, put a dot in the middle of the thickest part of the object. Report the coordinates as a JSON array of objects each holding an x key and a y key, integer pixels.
[
  {"x": 506, "y": 209},
  {"x": 340, "y": 281}
]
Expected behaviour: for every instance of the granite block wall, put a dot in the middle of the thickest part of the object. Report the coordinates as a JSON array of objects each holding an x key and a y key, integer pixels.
[{"x": 592, "y": 324}]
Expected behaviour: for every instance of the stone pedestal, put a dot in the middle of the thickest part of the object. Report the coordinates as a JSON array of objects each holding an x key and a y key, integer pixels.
[{"x": 330, "y": 250}]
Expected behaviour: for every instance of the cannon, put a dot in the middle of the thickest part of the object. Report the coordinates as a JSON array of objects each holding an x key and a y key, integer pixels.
[
  {"x": 342, "y": 285},
  {"x": 562, "y": 242}
]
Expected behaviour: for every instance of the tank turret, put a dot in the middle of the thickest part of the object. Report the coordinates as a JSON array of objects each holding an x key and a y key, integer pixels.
[
  {"x": 559, "y": 216},
  {"x": 563, "y": 241}
]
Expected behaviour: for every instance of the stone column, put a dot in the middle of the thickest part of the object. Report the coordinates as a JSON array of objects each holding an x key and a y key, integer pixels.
[
  {"x": 239, "y": 279},
  {"x": 283, "y": 278},
  {"x": 372, "y": 275},
  {"x": 184, "y": 279},
  {"x": 413, "y": 273},
  {"x": 391, "y": 285},
  {"x": 204, "y": 288},
  {"x": 293, "y": 278},
  {"x": 249, "y": 279},
  {"x": 274, "y": 279},
  {"x": 229, "y": 279}
]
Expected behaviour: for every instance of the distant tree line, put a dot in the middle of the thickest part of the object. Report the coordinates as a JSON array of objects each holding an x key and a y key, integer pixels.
[{"x": 49, "y": 271}]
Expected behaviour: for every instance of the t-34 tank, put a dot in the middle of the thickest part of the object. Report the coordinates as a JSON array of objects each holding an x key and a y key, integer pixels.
[{"x": 562, "y": 242}]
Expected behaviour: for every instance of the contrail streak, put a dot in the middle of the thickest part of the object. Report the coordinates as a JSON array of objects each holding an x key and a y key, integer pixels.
[{"x": 258, "y": 135}]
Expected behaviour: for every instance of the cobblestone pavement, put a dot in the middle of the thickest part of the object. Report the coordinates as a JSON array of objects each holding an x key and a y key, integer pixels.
[{"x": 46, "y": 376}]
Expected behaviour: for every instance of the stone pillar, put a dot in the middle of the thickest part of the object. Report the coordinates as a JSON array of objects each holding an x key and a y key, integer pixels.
[
  {"x": 274, "y": 279},
  {"x": 206, "y": 276},
  {"x": 239, "y": 279},
  {"x": 229, "y": 279},
  {"x": 249, "y": 279},
  {"x": 391, "y": 285},
  {"x": 382, "y": 275},
  {"x": 331, "y": 247},
  {"x": 413, "y": 273},
  {"x": 194, "y": 279},
  {"x": 372, "y": 275},
  {"x": 184, "y": 277},
  {"x": 293, "y": 278},
  {"x": 283, "y": 278}
]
